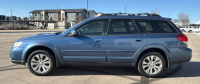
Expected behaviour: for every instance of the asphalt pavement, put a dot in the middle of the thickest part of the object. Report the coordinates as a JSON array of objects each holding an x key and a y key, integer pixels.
[{"x": 10, "y": 73}]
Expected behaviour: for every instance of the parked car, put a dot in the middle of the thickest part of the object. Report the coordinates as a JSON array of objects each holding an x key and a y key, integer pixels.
[
  {"x": 194, "y": 29},
  {"x": 186, "y": 29},
  {"x": 32, "y": 25},
  {"x": 151, "y": 43}
]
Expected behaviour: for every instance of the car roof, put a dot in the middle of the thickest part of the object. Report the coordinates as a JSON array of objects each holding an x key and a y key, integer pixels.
[{"x": 132, "y": 17}]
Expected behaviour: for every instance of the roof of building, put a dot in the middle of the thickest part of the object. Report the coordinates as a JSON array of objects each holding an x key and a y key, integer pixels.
[
  {"x": 36, "y": 11},
  {"x": 73, "y": 10},
  {"x": 55, "y": 10},
  {"x": 91, "y": 11}
]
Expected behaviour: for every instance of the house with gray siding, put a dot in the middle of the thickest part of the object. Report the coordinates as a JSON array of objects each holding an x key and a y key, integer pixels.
[
  {"x": 92, "y": 13},
  {"x": 65, "y": 17}
]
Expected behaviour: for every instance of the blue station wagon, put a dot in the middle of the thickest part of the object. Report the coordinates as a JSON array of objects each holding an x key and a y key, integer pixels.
[{"x": 147, "y": 41}]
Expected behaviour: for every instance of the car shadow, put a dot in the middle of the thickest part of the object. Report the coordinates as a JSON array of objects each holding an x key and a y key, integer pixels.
[
  {"x": 95, "y": 70},
  {"x": 189, "y": 69}
]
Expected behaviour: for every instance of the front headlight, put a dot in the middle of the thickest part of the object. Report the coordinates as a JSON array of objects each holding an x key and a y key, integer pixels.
[{"x": 17, "y": 44}]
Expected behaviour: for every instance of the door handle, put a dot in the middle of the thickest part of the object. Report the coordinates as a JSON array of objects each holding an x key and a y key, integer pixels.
[
  {"x": 98, "y": 40},
  {"x": 139, "y": 40}
]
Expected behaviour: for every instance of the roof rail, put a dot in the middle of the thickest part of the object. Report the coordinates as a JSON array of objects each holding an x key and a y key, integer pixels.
[{"x": 129, "y": 14}]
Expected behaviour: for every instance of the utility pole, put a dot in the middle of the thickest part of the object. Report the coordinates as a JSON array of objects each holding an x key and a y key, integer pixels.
[
  {"x": 57, "y": 17},
  {"x": 125, "y": 9},
  {"x": 87, "y": 10},
  {"x": 12, "y": 19}
]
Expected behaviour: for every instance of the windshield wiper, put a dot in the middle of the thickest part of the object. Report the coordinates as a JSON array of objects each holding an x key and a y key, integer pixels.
[{"x": 57, "y": 33}]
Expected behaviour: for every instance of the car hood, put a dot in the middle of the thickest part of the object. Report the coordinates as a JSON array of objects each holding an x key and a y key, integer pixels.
[{"x": 38, "y": 36}]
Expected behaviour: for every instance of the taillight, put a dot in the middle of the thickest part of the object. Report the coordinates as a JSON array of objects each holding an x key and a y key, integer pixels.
[{"x": 183, "y": 38}]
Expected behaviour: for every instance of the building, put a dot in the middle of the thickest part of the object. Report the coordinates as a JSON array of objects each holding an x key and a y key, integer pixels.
[
  {"x": 14, "y": 18},
  {"x": 18, "y": 18},
  {"x": 177, "y": 22},
  {"x": 65, "y": 17},
  {"x": 7, "y": 18},
  {"x": 92, "y": 13},
  {"x": 24, "y": 18},
  {"x": 98, "y": 14},
  {"x": 2, "y": 17}
]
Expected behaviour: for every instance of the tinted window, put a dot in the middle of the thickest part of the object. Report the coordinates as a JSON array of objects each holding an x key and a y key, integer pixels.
[
  {"x": 155, "y": 26},
  {"x": 123, "y": 26},
  {"x": 97, "y": 27}
]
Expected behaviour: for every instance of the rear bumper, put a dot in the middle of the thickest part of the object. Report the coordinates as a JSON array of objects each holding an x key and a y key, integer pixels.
[{"x": 181, "y": 56}]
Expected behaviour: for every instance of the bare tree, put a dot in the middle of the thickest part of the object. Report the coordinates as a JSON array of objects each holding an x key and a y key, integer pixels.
[
  {"x": 155, "y": 11},
  {"x": 184, "y": 18}
]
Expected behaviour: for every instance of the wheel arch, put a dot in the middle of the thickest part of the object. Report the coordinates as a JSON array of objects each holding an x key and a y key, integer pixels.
[
  {"x": 155, "y": 49},
  {"x": 27, "y": 51}
]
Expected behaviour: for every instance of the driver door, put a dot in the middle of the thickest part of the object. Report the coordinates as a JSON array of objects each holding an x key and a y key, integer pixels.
[{"x": 89, "y": 43}]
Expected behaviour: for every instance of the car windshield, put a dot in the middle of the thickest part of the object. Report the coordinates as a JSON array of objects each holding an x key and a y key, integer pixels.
[{"x": 66, "y": 31}]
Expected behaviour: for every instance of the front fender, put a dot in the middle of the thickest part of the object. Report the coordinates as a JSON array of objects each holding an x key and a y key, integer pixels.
[
  {"x": 48, "y": 45},
  {"x": 149, "y": 46}
]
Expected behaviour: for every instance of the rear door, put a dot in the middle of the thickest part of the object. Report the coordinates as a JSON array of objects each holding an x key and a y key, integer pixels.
[{"x": 123, "y": 40}]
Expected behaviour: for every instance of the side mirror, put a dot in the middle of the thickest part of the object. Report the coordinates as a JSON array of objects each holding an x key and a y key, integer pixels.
[{"x": 73, "y": 33}]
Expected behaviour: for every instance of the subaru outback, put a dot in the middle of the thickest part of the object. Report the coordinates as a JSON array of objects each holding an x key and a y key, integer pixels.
[{"x": 147, "y": 41}]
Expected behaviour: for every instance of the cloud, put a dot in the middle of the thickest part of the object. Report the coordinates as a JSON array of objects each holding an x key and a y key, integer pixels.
[
  {"x": 197, "y": 22},
  {"x": 22, "y": 11}
]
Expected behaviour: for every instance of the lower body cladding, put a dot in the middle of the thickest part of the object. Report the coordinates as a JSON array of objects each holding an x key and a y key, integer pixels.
[{"x": 177, "y": 55}]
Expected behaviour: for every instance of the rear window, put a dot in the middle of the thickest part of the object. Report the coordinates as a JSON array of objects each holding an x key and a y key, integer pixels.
[{"x": 155, "y": 26}]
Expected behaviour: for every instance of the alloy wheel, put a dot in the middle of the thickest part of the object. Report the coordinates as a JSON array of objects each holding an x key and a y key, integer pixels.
[
  {"x": 40, "y": 63},
  {"x": 152, "y": 64}
]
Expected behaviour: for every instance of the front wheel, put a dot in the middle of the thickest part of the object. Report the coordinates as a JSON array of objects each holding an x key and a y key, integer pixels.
[
  {"x": 151, "y": 64},
  {"x": 183, "y": 30},
  {"x": 41, "y": 62},
  {"x": 190, "y": 31}
]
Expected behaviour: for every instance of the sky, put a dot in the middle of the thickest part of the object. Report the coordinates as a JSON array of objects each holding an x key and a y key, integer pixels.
[{"x": 167, "y": 8}]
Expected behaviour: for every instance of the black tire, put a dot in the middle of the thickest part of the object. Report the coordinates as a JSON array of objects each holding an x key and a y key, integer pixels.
[
  {"x": 46, "y": 53},
  {"x": 183, "y": 30},
  {"x": 190, "y": 31},
  {"x": 142, "y": 72}
]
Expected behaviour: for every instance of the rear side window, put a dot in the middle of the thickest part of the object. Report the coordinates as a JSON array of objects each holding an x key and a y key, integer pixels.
[
  {"x": 123, "y": 26},
  {"x": 155, "y": 26}
]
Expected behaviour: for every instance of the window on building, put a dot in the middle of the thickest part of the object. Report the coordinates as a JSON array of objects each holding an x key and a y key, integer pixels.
[
  {"x": 123, "y": 26},
  {"x": 71, "y": 16},
  {"x": 63, "y": 15},
  {"x": 155, "y": 26},
  {"x": 98, "y": 27}
]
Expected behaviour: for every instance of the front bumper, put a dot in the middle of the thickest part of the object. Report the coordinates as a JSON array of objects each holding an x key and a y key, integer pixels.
[
  {"x": 18, "y": 62},
  {"x": 16, "y": 56}
]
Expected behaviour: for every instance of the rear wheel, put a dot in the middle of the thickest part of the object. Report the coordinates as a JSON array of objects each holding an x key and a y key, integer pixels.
[
  {"x": 190, "y": 31},
  {"x": 151, "y": 64},
  {"x": 41, "y": 62}
]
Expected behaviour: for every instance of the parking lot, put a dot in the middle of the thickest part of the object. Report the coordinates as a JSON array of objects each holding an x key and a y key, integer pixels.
[{"x": 19, "y": 74}]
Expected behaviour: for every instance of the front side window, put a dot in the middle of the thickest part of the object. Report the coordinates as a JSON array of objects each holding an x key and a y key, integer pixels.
[
  {"x": 97, "y": 27},
  {"x": 155, "y": 26},
  {"x": 122, "y": 26}
]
